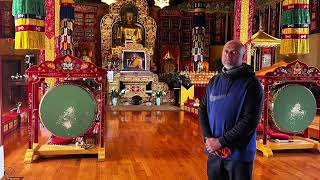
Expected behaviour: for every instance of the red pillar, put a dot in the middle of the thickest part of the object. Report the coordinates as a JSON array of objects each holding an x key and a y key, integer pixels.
[
  {"x": 243, "y": 13},
  {"x": 36, "y": 112},
  {"x": 265, "y": 109},
  {"x": 103, "y": 112},
  {"x": 30, "y": 112}
]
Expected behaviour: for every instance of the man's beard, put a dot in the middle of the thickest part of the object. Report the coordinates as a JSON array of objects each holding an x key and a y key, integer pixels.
[{"x": 228, "y": 66}]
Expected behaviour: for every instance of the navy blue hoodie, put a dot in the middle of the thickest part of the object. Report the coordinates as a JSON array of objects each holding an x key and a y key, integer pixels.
[{"x": 231, "y": 110}]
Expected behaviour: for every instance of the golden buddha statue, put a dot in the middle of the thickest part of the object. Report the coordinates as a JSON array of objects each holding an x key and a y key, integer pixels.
[{"x": 129, "y": 31}]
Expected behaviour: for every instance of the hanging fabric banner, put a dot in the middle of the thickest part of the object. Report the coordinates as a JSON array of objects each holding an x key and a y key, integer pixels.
[
  {"x": 198, "y": 34},
  {"x": 29, "y": 23},
  {"x": 66, "y": 26},
  {"x": 295, "y": 22},
  {"x": 198, "y": 43},
  {"x": 243, "y": 15}
]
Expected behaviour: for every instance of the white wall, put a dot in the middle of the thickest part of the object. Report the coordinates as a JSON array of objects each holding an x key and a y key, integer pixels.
[{"x": 311, "y": 59}]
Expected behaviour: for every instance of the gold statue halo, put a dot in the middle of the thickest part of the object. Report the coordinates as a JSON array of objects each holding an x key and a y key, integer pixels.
[
  {"x": 114, "y": 16},
  {"x": 168, "y": 56}
]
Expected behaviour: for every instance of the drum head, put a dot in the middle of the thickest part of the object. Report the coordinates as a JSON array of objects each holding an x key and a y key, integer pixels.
[
  {"x": 67, "y": 110},
  {"x": 294, "y": 108}
]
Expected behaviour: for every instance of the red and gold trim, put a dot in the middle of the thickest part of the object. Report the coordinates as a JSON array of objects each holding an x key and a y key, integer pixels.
[
  {"x": 51, "y": 32},
  {"x": 294, "y": 36},
  {"x": 295, "y": 6},
  {"x": 295, "y": 31},
  {"x": 29, "y": 21},
  {"x": 29, "y": 32},
  {"x": 290, "y": 2},
  {"x": 237, "y": 19},
  {"x": 29, "y": 28}
]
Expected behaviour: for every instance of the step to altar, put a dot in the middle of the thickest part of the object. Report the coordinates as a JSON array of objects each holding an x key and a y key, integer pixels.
[{"x": 12, "y": 120}]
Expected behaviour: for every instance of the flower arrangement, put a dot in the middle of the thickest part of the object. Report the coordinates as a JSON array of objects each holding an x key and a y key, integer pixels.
[
  {"x": 176, "y": 80},
  {"x": 160, "y": 93},
  {"x": 123, "y": 91},
  {"x": 114, "y": 93},
  {"x": 114, "y": 64}
]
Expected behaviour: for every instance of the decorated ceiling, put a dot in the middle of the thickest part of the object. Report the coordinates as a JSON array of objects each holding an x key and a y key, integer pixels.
[{"x": 212, "y": 5}]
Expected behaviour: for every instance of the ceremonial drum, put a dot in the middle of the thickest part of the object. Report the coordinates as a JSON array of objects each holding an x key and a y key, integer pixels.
[
  {"x": 293, "y": 108},
  {"x": 67, "y": 110}
]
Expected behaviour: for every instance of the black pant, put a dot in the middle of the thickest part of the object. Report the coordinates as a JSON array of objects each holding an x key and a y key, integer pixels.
[{"x": 221, "y": 169}]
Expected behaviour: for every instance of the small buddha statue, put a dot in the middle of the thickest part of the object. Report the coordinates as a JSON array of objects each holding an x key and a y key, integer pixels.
[
  {"x": 129, "y": 31},
  {"x": 186, "y": 67},
  {"x": 200, "y": 67},
  {"x": 85, "y": 57},
  {"x": 169, "y": 67}
]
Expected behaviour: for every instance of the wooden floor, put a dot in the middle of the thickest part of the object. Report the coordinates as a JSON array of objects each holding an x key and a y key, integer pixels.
[{"x": 150, "y": 145}]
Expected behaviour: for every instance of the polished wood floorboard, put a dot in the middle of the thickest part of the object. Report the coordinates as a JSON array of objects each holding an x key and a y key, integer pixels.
[{"x": 160, "y": 145}]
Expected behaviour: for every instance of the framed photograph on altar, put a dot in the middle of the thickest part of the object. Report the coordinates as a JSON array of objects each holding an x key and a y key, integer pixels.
[
  {"x": 266, "y": 57},
  {"x": 133, "y": 60}
]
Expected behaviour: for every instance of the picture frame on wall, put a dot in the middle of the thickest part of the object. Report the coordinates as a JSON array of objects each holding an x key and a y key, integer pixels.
[{"x": 133, "y": 60}]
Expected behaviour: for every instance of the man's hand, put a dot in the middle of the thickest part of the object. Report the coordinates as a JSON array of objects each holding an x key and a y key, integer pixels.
[{"x": 212, "y": 144}]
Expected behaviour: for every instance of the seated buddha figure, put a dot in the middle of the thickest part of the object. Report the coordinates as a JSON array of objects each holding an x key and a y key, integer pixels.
[
  {"x": 169, "y": 67},
  {"x": 129, "y": 31},
  {"x": 85, "y": 57}
]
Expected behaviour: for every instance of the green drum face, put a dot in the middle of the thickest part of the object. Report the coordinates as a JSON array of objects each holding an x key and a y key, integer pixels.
[
  {"x": 67, "y": 110},
  {"x": 294, "y": 108}
]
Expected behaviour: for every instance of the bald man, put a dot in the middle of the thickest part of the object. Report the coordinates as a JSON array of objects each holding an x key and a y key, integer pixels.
[{"x": 229, "y": 114}]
